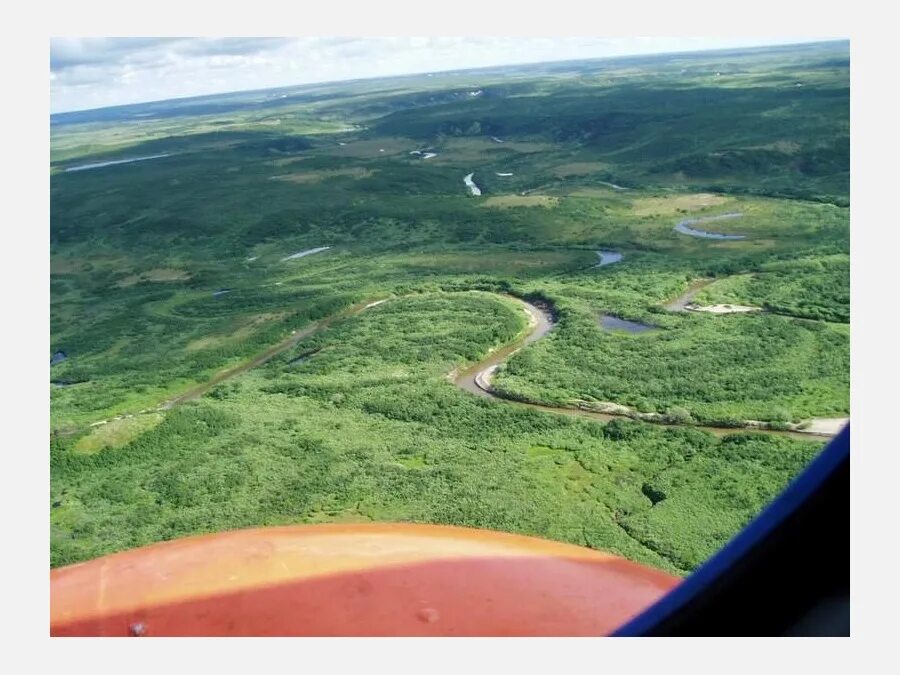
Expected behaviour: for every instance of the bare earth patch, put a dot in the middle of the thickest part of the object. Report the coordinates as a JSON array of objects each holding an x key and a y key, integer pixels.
[
  {"x": 603, "y": 192},
  {"x": 319, "y": 176},
  {"x": 158, "y": 274},
  {"x": 508, "y": 201},
  {"x": 722, "y": 309},
  {"x": 372, "y": 148},
  {"x": 824, "y": 425},
  {"x": 477, "y": 148},
  {"x": 787, "y": 147},
  {"x": 579, "y": 168},
  {"x": 116, "y": 433},
  {"x": 743, "y": 244},
  {"x": 65, "y": 265},
  {"x": 72, "y": 265},
  {"x": 284, "y": 161},
  {"x": 243, "y": 330},
  {"x": 662, "y": 206}
]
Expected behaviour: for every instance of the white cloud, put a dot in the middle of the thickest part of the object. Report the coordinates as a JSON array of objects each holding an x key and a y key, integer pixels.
[{"x": 97, "y": 72}]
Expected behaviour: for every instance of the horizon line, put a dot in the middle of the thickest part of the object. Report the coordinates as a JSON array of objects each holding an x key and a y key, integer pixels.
[{"x": 456, "y": 70}]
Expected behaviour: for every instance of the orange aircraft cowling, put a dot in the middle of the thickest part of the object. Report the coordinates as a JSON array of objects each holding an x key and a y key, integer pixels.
[{"x": 353, "y": 580}]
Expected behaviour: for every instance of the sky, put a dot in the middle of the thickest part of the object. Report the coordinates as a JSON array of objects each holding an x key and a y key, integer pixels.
[{"x": 98, "y": 72}]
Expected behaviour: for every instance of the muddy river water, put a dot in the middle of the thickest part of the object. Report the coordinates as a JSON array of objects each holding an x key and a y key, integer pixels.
[{"x": 477, "y": 378}]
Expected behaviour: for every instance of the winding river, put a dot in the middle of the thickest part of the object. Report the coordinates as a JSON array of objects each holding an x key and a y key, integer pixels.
[
  {"x": 473, "y": 188},
  {"x": 477, "y": 378},
  {"x": 113, "y": 162},
  {"x": 608, "y": 257},
  {"x": 303, "y": 254},
  {"x": 685, "y": 227}
]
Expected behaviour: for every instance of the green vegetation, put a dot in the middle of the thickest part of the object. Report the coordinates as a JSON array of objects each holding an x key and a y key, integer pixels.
[
  {"x": 168, "y": 272},
  {"x": 812, "y": 288},
  {"x": 722, "y": 369}
]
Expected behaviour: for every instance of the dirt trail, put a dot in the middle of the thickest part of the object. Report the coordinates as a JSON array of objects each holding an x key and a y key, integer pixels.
[
  {"x": 228, "y": 373},
  {"x": 680, "y": 303},
  {"x": 267, "y": 355}
]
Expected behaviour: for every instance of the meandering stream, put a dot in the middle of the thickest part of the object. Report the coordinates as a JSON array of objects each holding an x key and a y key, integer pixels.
[
  {"x": 477, "y": 378},
  {"x": 97, "y": 165},
  {"x": 303, "y": 254},
  {"x": 608, "y": 257},
  {"x": 684, "y": 227}
]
